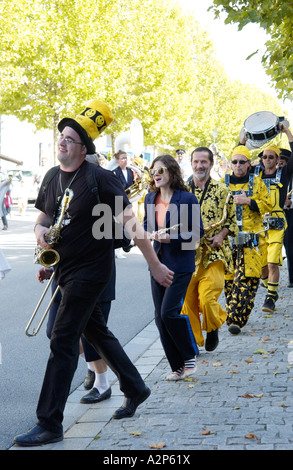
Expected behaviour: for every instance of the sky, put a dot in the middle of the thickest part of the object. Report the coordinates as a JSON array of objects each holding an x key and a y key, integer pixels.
[{"x": 233, "y": 47}]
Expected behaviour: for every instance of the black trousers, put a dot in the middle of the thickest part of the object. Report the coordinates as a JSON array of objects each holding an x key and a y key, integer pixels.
[
  {"x": 288, "y": 243},
  {"x": 89, "y": 352},
  {"x": 175, "y": 331},
  {"x": 79, "y": 313}
]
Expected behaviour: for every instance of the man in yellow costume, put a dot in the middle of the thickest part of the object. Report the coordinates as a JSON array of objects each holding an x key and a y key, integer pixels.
[
  {"x": 276, "y": 180},
  {"x": 213, "y": 256},
  {"x": 252, "y": 202}
]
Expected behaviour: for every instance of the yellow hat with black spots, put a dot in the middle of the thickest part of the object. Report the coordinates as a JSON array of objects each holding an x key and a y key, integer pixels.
[{"x": 90, "y": 123}]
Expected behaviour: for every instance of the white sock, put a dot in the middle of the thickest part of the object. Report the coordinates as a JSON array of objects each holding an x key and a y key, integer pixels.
[{"x": 101, "y": 382}]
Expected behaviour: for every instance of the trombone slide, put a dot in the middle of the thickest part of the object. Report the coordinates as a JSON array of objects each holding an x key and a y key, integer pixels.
[{"x": 36, "y": 330}]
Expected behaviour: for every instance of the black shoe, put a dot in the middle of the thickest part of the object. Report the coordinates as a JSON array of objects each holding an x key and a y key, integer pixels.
[
  {"x": 37, "y": 436},
  {"x": 89, "y": 380},
  {"x": 290, "y": 284},
  {"x": 94, "y": 396},
  {"x": 234, "y": 329},
  {"x": 130, "y": 404},
  {"x": 269, "y": 305},
  {"x": 212, "y": 340}
]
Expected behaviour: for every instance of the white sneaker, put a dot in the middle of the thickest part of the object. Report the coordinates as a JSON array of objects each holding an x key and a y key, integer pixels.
[
  {"x": 177, "y": 375},
  {"x": 189, "y": 372}
]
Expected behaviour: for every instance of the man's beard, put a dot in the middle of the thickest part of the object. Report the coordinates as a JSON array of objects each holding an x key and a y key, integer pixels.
[{"x": 202, "y": 175}]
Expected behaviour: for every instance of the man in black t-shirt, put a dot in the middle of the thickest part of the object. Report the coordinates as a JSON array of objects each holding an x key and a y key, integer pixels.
[{"x": 83, "y": 271}]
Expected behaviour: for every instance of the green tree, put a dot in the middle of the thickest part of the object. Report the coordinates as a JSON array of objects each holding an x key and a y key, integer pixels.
[
  {"x": 66, "y": 52},
  {"x": 146, "y": 59},
  {"x": 276, "y": 18}
]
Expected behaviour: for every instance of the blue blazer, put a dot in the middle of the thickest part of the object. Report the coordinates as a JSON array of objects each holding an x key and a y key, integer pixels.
[
  {"x": 179, "y": 254},
  {"x": 130, "y": 177}
]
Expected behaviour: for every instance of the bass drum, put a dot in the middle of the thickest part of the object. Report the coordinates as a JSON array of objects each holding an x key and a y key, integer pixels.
[{"x": 259, "y": 128}]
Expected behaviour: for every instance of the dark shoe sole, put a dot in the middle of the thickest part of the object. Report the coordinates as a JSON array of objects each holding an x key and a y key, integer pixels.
[
  {"x": 89, "y": 399},
  {"x": 37, "y": 444},
  {"x": 123, "y": 412},
  {"x": 212, "y": 341},
  {"x": 234, "y": 329},
  {"x": 37, "y": 436},
  {"x": 267, "y": 309}
]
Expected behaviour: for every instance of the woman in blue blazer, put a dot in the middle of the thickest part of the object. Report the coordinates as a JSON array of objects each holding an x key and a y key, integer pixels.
[{"x": 172, "y": 217}]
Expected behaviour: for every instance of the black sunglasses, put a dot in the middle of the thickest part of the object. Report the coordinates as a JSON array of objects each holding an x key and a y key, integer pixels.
[
  {"x": 270, "y": 157},
  {"x": 241, "y": 162}
]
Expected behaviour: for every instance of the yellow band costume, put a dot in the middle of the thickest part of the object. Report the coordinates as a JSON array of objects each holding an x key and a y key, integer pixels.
[
  {"x": 242, "y": 284},
  {"x": 271, "y": 249},
  {"x": 207, "y": 281}
]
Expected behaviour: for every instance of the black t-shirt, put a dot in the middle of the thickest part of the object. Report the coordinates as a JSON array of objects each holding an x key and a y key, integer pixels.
[{"x": 82, "y": 255}]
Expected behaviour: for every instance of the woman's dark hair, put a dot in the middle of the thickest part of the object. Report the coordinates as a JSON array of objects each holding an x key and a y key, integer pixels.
[
  {"x": 119, "y": 153},
  {"x": 176, "y": 180}
]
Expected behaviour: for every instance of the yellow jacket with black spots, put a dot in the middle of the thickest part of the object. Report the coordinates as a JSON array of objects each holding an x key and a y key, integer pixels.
[
  {"x": 252, "y": 216},
  {"x": 212, "y": 202}
]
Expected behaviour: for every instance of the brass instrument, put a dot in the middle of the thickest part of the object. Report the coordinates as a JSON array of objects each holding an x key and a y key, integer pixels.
[
  {"x": 140, "y": 185},
  {"x": 223, "y": 219},
  {"x": 36, "y": 330},
  {"x": 48, "y": 257},
  {"x": 221, "y": 222}
]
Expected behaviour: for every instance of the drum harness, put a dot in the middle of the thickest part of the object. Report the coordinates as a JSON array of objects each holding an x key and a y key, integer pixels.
[
  {"x": 274, "y": 223},
  {"x": 244, "y": 239}
]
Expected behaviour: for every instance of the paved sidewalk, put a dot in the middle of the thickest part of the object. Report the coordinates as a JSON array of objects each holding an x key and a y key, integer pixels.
[{"x": 241, "y": 398}]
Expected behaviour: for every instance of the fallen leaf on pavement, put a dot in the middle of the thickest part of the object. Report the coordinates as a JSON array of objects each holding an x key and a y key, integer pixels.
[
  {"x": 160, "y": 445},
  {"x": 206, "y": 432},
  {"x": 260, "y": 351}
]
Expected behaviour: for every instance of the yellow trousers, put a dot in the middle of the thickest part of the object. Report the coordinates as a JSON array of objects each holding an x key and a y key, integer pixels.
[{"x": 202, "y": 297}]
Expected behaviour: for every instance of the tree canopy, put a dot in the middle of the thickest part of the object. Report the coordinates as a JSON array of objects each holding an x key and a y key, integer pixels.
[
  {"x": 276, "y": 18},
  {"x": 146, "y": 59}
]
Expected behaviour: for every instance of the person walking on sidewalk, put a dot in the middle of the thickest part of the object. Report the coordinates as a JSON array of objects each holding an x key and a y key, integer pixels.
[
  {"x": 213, "y": 256},
  {"x": 252, "y": 202},
  {"x": 4, "y": 187},
  {"x": 288, "y": 210},
  {"x": 276, "y": 180},
  {"x": 84, "y": 269},
  {"x": 168, "y": 204}
]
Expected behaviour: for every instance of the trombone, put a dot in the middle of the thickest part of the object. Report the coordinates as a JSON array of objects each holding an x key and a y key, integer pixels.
[
  {"x": 48, "y": 258},
  {"x": 36, "y": 330}
]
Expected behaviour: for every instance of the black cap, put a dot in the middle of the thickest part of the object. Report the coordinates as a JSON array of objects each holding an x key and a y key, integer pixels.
[{"x": 285, "y": 153}]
